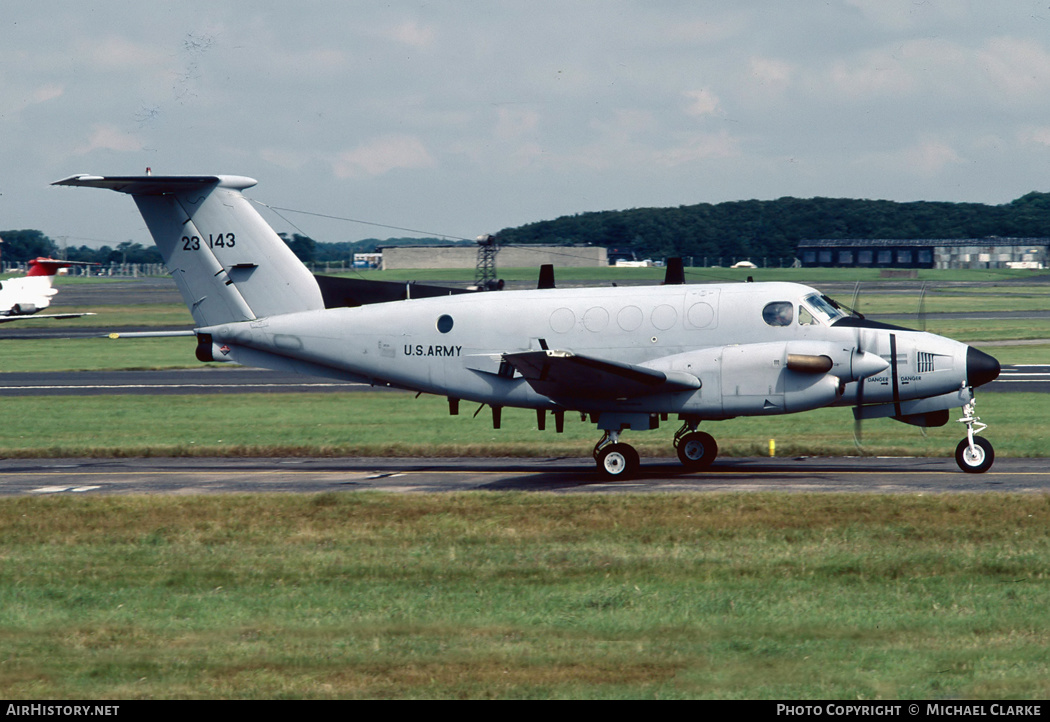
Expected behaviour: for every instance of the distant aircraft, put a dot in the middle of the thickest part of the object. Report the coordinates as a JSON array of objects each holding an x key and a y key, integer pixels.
[
  {"x": 626, "y": 357},
  {"x": 21, "y": 298}
]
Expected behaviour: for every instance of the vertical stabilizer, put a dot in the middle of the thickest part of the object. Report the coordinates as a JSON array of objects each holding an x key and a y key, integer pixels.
[{"x": 227, "y": 262}]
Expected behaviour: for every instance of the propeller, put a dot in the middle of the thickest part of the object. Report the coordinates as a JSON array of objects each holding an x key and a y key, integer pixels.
[
  {"x": 858, "y": 425},
  {"x": 922, "y": 307}
]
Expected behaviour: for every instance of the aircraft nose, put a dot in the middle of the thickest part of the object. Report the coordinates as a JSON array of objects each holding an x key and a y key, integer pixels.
[{"x": 980, "y": 367}]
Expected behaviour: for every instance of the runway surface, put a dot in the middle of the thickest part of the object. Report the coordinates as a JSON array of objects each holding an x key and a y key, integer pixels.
[
  {"x": 181, "y": 476},
  {"x": 204, "y": 380}
]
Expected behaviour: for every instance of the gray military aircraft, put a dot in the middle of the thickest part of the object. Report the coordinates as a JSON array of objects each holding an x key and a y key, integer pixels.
[{"x": 626, "y": 357}]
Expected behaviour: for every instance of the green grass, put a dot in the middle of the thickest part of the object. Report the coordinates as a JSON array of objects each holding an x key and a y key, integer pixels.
[
  {"x": 112, "y": 316},
  {"x": 537, "y": 596},
  {"x": 398, "y": 424},
  {"x": 98, "y": 354}
]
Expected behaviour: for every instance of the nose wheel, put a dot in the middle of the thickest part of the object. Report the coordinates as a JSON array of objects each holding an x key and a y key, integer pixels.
[{"x": 974, "y": 454}]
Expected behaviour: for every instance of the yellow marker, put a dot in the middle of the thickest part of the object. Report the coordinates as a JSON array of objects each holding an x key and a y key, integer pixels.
[{"x": 772, "y": 447}]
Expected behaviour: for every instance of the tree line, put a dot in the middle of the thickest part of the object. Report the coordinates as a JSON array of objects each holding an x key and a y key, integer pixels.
[
  {"x": 774, "y": 228},
  {"x": 736, "y": 229}
]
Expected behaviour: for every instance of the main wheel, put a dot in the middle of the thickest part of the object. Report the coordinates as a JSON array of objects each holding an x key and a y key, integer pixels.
[
  {"x": 977, "y": 460},
  {"x": 618, "y": 461},
  {"x": 696, "y": 450}
]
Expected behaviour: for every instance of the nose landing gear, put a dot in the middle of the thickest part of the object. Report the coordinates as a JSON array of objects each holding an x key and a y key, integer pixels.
[{"x": 974, "y": 454}]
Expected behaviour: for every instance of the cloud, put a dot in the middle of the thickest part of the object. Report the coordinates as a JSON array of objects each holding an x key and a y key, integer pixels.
[
  {"x": 412, "y": 34},
  {"x": 700, "y": 148},
  {"x": 924, "y": 159},
  {"x": 1035, "y": 135},
  {"x": 770, "y": 71},
  {"x": 108, "y": 137},
  {"x": 1019, "y": 69},
  {"x": 34, "y": 96},
  {"x": 701, "y": 102},
  {"x": 514, "y": 123},
  {"x": 382, "y": 155}
]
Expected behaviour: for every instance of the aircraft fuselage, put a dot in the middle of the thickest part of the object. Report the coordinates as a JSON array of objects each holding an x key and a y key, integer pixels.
[{"x": 456, "y": 346}]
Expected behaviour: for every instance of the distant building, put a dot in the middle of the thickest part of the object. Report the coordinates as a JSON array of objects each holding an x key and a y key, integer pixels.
[
  {"x": 518, "y": 256},
  {"x": 926, "y": 253}
]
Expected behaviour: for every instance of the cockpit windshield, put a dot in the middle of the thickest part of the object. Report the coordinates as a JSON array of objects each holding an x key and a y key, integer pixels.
[{"x": 822, "y": 309}]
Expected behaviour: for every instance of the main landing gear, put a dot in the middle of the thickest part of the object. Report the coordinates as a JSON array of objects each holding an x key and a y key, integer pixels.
[
  {"x": 615, "y": 460},
  {"x": 974, "y": 454},
  {"x": 618, "y": 461}
]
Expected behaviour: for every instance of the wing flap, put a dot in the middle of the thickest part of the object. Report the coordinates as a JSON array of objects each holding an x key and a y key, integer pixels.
[{"x": 563, "y": 374}]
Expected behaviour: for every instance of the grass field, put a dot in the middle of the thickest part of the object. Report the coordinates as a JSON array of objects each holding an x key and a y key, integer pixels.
[{"x": 371, "y": 595}]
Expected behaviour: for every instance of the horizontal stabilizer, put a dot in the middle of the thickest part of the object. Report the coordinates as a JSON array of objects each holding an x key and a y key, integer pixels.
[
  {"x": 564, "y": 375},
  {"x": 150, "y": 185},
  {"x": 151, "y": 334}
]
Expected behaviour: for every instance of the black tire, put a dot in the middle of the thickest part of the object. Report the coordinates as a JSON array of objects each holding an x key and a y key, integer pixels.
[
  {"x": 617, "y": 462},
  {"x": 697, "y": 450},
  {"x": 976, "y": 462}
]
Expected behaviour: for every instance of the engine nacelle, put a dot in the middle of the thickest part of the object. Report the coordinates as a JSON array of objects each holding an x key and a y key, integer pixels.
[{"x": 770, "y": 378}]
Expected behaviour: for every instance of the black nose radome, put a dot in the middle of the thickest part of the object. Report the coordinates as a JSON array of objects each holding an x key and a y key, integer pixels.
[{"x": 980, "y": 367}]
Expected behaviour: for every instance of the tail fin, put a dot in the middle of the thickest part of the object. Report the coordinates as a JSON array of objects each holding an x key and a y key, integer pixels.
[{"x": 227, "y": 262}]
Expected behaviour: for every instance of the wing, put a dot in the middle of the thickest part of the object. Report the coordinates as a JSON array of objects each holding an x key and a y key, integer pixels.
[
  {"x": 563, "y": 374},
  {"x": 30, "y": 317}
]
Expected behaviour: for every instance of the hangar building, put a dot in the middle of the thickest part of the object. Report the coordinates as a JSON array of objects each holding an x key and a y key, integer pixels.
[
  {"x": 523, "y": 256},
  {"x": 991, "y": 252}
]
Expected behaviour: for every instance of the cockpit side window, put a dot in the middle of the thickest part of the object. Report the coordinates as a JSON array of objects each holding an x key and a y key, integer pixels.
[
  {"x": 820, "y": 308},
  {"x": 778, "y": 313},
  {"x": 805, "y": 318}
]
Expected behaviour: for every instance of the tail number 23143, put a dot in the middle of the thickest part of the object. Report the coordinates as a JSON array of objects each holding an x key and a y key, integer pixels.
[{"x": 220, "y": 240}]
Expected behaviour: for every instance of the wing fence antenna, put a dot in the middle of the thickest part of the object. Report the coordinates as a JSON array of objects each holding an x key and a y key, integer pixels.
[
  {"x": 675, "y": 273},
  {"x": 227, "y": 262}
]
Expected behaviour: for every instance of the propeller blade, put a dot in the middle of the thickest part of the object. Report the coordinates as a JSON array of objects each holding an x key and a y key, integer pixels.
[{"x": 922, "y": 307}]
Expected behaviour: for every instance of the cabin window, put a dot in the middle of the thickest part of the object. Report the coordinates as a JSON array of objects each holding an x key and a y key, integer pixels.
[
  {"x": 778, "y": 313},
  {"x": 444, "y": 323}
]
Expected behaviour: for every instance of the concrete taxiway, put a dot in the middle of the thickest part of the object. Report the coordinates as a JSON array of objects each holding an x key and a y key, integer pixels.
[{"x": 181, "y": 476}]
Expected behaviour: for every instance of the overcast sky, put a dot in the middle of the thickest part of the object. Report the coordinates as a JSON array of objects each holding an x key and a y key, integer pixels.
[{"x": 464, "y": 117}]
